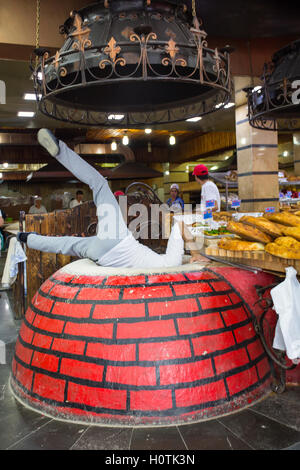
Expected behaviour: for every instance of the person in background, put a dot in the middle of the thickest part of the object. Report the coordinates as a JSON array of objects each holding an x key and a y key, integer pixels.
[
  {"x": 37, "y": 207},
  {"x": 175, "y": 202},
  {"x": 209, "y": 190},
  {"x": 118, "y": 193},
  {"x": 2, "y": 217},
  {"x": 78, "y": 200}
]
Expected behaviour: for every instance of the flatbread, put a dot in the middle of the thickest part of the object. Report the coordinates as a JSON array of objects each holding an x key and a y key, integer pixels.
[
  {"x": 248, "y": 233},
  {"x": 262, "y": 224}
]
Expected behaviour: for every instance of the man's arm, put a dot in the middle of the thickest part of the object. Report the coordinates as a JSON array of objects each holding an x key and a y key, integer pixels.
[{"x": 191, "y": 244}]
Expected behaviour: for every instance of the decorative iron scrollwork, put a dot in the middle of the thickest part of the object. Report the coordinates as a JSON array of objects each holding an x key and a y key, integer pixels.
[{"x": 137, "y": 52}]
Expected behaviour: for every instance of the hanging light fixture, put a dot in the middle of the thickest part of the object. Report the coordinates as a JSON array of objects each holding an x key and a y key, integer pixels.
[
  {"x": 114, "y": 145},
  {"x": 275, "y": 104},
  {"x": 172, "y": 140},
  {"x": 125, "y": 140},
  {"x": 144, "y": 61}
]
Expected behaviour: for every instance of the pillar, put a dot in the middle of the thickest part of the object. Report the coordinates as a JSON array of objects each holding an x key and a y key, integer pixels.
[
  {"x": 296, "y": 146},
  {"x": 257, "y": 161}
]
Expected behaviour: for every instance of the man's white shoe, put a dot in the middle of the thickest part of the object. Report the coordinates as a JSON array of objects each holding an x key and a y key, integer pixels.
[{"x": 48, "y": 141}]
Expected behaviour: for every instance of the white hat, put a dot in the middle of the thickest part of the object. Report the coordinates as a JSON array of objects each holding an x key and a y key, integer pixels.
[{"x": 174, "y": 186}]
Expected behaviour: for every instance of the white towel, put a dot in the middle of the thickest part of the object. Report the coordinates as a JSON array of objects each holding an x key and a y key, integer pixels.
[{"x": 286, "y": 300}]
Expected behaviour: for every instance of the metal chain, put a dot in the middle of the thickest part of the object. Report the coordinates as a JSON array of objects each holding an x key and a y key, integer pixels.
[
  {"x": 37, "y": 28},
  {"x": 196, "y": 21},
  {"x": 194, "y": 8}
]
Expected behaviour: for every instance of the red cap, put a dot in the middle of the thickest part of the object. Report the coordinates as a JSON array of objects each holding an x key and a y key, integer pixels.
[
  {"x": 119, "y": 193},
  {"x": 200, "y": 170}
]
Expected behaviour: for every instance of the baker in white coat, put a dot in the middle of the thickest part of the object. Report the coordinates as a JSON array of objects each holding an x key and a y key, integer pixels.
[{"x": 209, "y": 190}]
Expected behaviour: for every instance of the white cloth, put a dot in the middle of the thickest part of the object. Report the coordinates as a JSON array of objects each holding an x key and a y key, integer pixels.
[
  {"x": 286, "y": 300},
  {"x": 34, "y": 210},
  {"x": 210, "y": 192},
  {"x": 130, "y": 253},
  {"x": 2, "y": 353},
  {"x": 74, "y": 203},
  {"x": 15, "y": 255}
]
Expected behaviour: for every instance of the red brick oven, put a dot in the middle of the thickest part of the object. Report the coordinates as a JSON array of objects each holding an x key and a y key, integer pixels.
[{"x": 117, "y": 347}]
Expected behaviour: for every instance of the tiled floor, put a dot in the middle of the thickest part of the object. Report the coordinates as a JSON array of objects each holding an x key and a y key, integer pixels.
[{"x": 273, "y": 423}]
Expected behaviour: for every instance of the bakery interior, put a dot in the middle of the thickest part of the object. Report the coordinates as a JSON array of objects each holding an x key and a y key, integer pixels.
[{"x": 244, "y": 126}]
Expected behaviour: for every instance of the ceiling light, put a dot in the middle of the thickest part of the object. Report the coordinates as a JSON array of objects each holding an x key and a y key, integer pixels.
[
  {"x": 114, "y": 145},
  {"x": 194, "y": 119},
  {"x": 29, "y": 177},
  {"x": 30, "y": 96},
  {"x": 1, "y": 175},
  {"x": 125, "y": 140},
  {"x": 115, "y": 117},
  {"x": 257, "y": 88},
  {"x": 285, "y": 153},
  {"x": 227, "y": 158},
  {"x": 167, "y": 173},
  {"x": 214, "y": 167},
  {"x": 219, "y": 105},
  {"x": 148, "y": 131},
  {"x": 229, "y": 105},
  {"x": 5, "y": 165},
  {"x": 26, "y": 113},
  {"x": 172, "y": 140}
]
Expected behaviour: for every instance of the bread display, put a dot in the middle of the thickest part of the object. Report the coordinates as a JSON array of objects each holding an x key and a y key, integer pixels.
[
  {"x": 248, "y": 233},
  {"x": 284, "y": 218},
  {"x": 239, "y": 245},
  {"x": 270, "y": 242},
  {"x": 262, "y": 224}
]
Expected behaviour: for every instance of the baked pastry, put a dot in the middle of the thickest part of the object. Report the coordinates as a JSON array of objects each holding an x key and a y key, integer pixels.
[
  {"x": 288, "y": 242},
  {"x": 262, "y": 224},
  {"x": 282, "y": 251},
  {"x": 222, "y": 215},
  {"x": 248, "y": 233},
  {"x": 292, "y": 232},
  {"x": 239, "y": 245},
  {"x": 284, "y": 218}
]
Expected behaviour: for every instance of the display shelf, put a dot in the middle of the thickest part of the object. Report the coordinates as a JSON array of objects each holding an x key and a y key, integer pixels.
[{"x": 289, "y": 183}]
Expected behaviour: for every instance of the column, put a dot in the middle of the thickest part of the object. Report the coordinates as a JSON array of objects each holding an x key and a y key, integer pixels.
[
  {"x": 296, "y": 147},
  {"x": 257, "y": 162}
]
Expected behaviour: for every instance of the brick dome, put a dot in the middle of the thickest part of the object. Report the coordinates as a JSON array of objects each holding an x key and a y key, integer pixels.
[{"x": 107, "y": 346}]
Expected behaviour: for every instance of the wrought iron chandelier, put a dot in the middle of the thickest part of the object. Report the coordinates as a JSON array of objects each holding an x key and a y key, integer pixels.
[
  {"x": 275, "y": 105},
  {"x": 132, "y": 63}
]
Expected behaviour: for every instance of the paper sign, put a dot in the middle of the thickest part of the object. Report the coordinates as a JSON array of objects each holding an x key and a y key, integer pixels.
[
  {"x": 207, "y": 214},
  {"x": 236, "y": 203},
  {"x": 269, "y": 209},
  {"x": 210, "y": 203}
]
